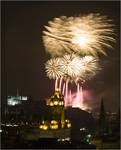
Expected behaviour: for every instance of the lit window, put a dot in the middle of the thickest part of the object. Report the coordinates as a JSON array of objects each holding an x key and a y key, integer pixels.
[
  {"x": 43, "y": 121},
  {"x": 60, "y": 103},
  {"x": 69, "y": 125},
  {"x": 54, "y": 122},
  {"x": 51, "y": 104},
  {"x": 54, "y": 126},
  {"x": 62, "y": 125},
  {"x": 67, "y": 120},
  {"x": 89, "y": 135},
  {"x": 24, "y": 97},
  {"x": 67, "y": 138},
  {"x": 44, "y": 127},
  {"x": 55, "y": 102},
  {"x": 82, "y": 129},
  {"x": 41, "y": 126}
]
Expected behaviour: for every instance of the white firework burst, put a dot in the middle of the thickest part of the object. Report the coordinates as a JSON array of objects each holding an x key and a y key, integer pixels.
[
  {"x": 53, "y": 68},
  {"x": 72, "y": 67},
  {"x": 85, "y": 35}
]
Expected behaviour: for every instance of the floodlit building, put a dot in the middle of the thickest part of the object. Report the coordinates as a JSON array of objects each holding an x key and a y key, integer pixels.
[
  {"x": 57, "y": 123},
  {"x": 57, "y": 111},
  {"x": 14, "y": 107},
  {"x": 16, "y": 100},
  {"x": 57, "y": 126}
]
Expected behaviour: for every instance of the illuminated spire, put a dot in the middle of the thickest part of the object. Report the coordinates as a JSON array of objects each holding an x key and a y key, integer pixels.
[
  {"x": 102, "y": 118},
  {"x": 57, "y": 99},
  {"x": 17, "y": 92}
]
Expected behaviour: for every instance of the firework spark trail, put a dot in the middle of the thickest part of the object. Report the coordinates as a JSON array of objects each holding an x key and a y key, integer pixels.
[
  {"x": 81, "y": 96},
  {"x": 66, "y": 93},
  {"x": 72, "y": 67},
  {"x": 63, "y": 90},
  {"x": 70, "y": 97},
  {"x": 74, "y": 99},
  {"x": 77, "y": 101},
  {"x": 60, "y": 83},
  {"x": 87, "y": 34},
  {"x": 56, "y": 83}
]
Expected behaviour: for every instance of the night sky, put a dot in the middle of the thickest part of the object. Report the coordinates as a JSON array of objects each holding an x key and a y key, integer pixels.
[{"x": 24, "y": 56}]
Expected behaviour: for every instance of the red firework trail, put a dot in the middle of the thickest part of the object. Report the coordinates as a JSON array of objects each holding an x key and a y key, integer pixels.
[
  {"x": 70, "y": 97},
  {"x": 56, "y": 83},
  {"x": 74, "y": 99},
  {"x": 60, "y": 83},
  {"x": 66, "y": 93},
  {"x": 63, "y": 91},
  {"x": 81, "y": 96}
]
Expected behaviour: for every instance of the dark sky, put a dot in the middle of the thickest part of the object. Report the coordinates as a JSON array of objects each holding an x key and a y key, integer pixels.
[{"x": 23, "y": 53}]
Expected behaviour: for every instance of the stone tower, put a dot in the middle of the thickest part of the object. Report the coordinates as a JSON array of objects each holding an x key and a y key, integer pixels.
[{"x": 57, "y": 107}]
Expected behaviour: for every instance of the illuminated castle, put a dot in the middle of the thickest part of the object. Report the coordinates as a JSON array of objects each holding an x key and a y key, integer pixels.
[{"x": 56, "y": 109}]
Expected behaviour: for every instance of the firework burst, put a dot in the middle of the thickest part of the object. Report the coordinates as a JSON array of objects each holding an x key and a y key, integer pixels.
[
  {"x": 53, "y": 68},
  {"x": 85, "y": 35},
  {"x": 72, "y": 67}
]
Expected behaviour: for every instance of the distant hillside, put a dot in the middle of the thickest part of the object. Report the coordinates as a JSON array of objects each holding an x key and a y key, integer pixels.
[{"x": 80, "y": 119}]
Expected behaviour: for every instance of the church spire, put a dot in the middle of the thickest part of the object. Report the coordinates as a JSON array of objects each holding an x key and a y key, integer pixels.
[
  {"x": 17, "y": 92},
  {"x": 102, "y": 118}
]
